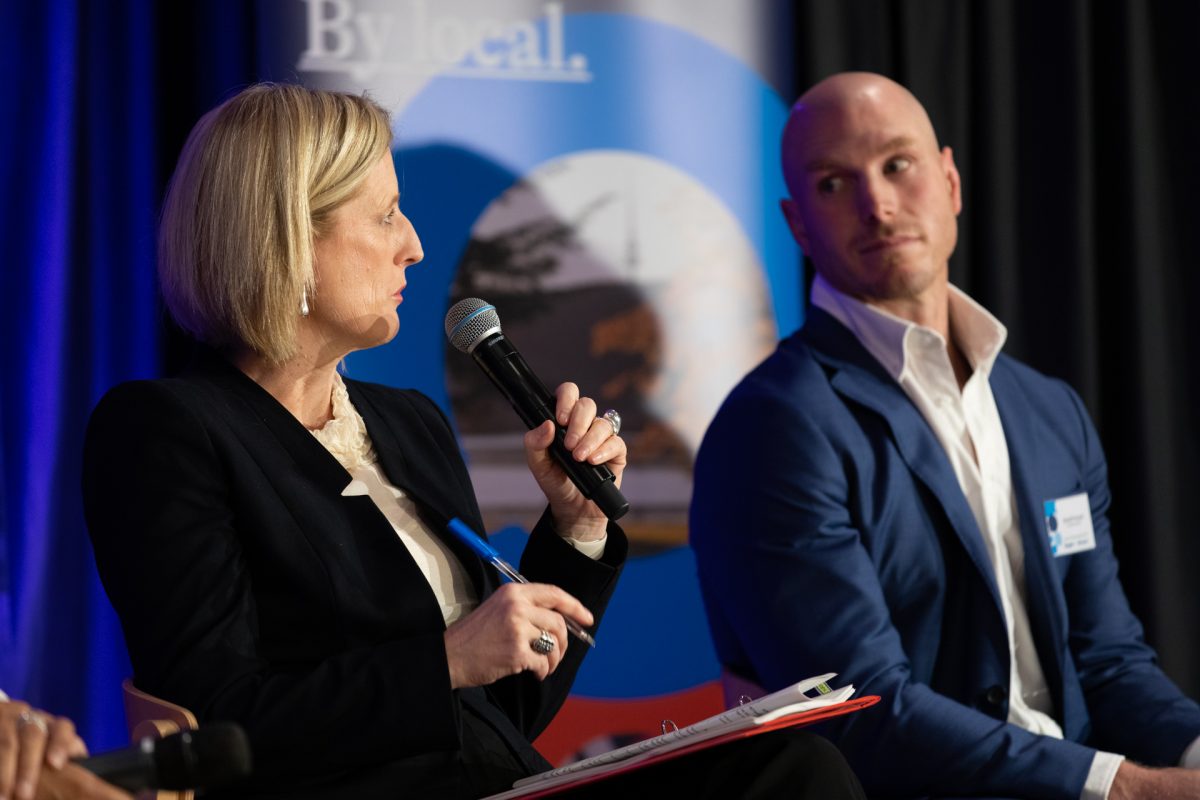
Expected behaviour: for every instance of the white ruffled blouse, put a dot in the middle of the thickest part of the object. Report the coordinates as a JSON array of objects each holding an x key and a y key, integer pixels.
[{"x": 345, "y": 437}]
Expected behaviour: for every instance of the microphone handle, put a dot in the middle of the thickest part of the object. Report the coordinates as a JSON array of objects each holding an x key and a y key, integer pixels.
[
  {"x": 132, "y": 768},
  {"x": 534, "y": 404}
]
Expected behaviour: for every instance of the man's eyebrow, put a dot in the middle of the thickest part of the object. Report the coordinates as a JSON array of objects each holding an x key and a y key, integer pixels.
[
  {"x": 896, "y": 143},
  {"x": 824, "y": 164}
]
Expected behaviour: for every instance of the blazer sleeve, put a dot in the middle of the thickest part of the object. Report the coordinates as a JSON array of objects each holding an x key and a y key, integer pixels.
[
  {"x": 788, "y": 581},
  {"x": 548, "y": 559},
  {"x": 529, "y": 703},
  {"x": 162, "y": 517},
  {"x": 1134, "y": 707}
]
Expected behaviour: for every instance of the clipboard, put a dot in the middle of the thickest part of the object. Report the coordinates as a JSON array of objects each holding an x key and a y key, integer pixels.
[{"x": 768, "y": 714}]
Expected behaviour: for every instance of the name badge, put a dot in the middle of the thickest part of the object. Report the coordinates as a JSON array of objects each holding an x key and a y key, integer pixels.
[{"x": 1069, "y": 525}]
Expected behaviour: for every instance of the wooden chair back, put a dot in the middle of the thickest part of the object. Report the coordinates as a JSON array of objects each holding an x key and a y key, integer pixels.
[{"x": 147, "y": 715}]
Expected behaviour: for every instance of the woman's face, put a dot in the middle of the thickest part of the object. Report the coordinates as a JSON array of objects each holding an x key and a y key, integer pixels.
[{"x": 360, "y": 264}]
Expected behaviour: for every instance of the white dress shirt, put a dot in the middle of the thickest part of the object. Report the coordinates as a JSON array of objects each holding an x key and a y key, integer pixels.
[{"x": 967, "y": 425}]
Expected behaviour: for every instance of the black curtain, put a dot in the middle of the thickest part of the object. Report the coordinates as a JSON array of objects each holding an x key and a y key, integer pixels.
[
  {"x": 206, "y": 53},
  {"x": 1073, "y": 125}
]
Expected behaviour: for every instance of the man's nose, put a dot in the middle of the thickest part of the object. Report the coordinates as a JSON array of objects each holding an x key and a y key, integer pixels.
[{"x": 876, "y": 199}]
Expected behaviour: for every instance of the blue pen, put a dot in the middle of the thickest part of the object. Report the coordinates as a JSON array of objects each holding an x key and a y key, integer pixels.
[{"x": 489, "y": 553}]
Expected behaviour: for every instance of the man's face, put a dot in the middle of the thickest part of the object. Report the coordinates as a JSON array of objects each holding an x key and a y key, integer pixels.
[{"x": 874, "y": 202}]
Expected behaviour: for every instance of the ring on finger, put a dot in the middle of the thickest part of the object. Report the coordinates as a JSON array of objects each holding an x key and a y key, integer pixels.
[
  {"x": 35, "y": 719},
  {"x": 544, "y": 643},
  {"x": 614, "y": 419}
]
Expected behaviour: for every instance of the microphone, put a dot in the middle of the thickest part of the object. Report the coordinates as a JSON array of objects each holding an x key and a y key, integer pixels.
[
  {"x": 473, "y": 326},
  {"x": 203, "y": 758}
]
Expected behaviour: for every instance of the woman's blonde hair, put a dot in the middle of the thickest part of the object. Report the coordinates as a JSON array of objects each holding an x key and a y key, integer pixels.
[{"x": 255, "y": 186}]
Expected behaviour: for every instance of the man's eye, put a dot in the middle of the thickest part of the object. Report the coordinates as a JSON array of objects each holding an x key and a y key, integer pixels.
[
  {"x": 829, "y": 185},
  {"x": 897, "y": 164}
]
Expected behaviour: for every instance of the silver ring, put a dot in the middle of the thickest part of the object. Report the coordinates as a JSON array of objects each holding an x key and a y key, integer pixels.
[
  {"x": 614, "y": 419},
  {"x": 543, "y": 644},
  {"x": 35, "y": 719}
]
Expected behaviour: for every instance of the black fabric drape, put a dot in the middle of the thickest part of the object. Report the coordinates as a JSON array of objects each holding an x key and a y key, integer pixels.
[
  {"x": 205, "y": 53},
  {"x": 1073, "y": 126}
]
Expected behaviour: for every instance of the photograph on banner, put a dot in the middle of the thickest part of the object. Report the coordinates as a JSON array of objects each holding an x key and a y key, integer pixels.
[{"x": 623, "y": 271}]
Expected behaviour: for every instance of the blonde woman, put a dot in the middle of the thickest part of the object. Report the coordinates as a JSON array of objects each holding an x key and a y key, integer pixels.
[{"x": 272, "y": 535}]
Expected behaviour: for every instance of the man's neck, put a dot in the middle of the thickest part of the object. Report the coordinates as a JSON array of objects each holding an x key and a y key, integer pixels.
[{"x": 929, "y": 309}]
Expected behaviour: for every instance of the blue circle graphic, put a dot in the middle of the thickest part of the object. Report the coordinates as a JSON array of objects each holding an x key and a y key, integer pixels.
[{"x": 653, "y": 89}]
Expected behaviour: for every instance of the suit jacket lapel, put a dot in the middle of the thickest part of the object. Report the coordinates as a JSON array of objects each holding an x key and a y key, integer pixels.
[
  {"x": 1046, "y": 608},
  {"x": 275, "y": 421},
  {"x": 315, "y": 462},
  {"x": 394, "y": 445},
  {"x": 859, "y": 377}
]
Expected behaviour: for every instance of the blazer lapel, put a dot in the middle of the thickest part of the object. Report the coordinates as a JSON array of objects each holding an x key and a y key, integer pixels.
[
  {"x": 309, "y": 457},
  {"x": 397, "y": 448},
  {"x": 275, "y": 421},
  {"x": 1047, "y": 612},
  {"x": 859, "y": 377}
]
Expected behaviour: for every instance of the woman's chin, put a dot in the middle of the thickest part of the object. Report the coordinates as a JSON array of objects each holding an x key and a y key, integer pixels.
[{"x": 385, "y": 331}]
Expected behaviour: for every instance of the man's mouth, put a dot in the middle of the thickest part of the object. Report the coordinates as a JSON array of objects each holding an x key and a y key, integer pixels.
[{"x": 880, "y": 243}]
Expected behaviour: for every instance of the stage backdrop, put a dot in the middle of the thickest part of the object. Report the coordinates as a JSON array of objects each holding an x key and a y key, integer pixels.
[
  {"x": 1071, "y": 122},
  {"x": 609, "y": 182}
]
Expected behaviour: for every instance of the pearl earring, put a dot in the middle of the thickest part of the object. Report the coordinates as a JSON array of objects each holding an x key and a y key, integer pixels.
[{"x": 304, "y": 303}]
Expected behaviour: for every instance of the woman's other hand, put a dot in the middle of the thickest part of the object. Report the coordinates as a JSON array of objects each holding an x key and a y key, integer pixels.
[{"x": 496, "y": 639}]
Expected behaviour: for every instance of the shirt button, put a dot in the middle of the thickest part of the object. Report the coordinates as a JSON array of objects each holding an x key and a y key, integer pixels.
[{"x": 996, "y": 695}]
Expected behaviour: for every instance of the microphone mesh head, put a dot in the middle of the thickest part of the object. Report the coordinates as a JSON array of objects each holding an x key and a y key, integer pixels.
[{"x": 469, "y": 321}]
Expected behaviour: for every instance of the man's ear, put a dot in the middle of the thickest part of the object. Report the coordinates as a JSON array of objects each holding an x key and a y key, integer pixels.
[
  {"x": 791, "y": 212},
  {"x": 952, "y": 177}
]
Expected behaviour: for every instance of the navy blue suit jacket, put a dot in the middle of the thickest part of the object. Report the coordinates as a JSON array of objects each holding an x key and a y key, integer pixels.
[{"x": 831, "y": 534}]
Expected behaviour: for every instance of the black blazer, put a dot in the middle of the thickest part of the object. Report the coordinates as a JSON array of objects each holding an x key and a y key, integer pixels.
[{"x": 250, "y": 589}]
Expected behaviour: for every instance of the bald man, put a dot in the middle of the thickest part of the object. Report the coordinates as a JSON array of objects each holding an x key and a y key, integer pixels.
[{"x": 890, "y": 497}]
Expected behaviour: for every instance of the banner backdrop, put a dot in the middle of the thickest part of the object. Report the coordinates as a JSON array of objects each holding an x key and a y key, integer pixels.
[{"x": 609, "y": 182}]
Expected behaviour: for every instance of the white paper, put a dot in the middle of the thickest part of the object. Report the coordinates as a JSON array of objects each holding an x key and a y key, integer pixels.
[{"x": 787, "y": 701}]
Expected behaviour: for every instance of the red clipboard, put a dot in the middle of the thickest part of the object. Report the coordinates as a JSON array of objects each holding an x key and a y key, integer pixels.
[{"x": 643, "y": 760}]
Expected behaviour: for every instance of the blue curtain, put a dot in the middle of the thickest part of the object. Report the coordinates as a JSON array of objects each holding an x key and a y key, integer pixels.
[
  {"x": 78, "y": 313},
  {"x": 97, "y": 99}
]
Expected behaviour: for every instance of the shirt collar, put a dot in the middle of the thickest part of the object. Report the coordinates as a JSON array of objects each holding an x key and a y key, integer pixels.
[
  {"x": 888, "y": 338},
  {"x": 345, "y": 435}
]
